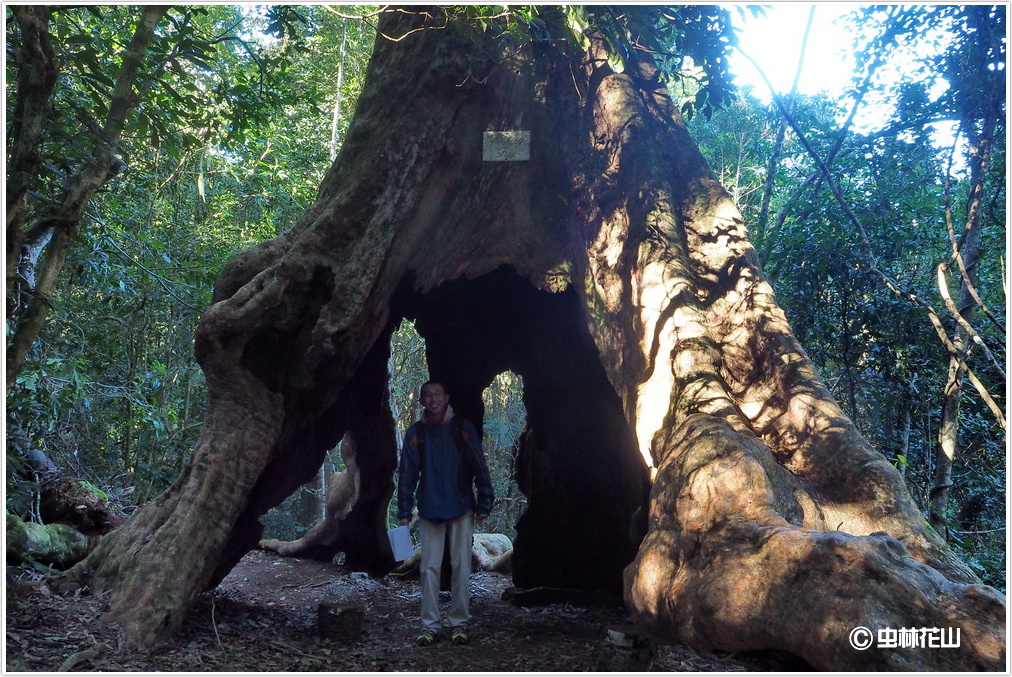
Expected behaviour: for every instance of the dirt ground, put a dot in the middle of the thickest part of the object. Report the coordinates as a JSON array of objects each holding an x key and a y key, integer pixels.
[{"x": 263, "y": 618}]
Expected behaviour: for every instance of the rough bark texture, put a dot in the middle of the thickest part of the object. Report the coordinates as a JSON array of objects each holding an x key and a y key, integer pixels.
[
  {"x": 357, "y": 497},
  {"x": 769, "y": 516},
  {"x": 38, "y": 70}
]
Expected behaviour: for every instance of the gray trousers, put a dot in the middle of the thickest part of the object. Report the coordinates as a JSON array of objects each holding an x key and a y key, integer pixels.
[{"x": 433, "y": 534}]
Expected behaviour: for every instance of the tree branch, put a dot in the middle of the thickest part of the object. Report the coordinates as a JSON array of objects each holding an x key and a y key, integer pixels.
[
  {"x": 362, "y": 17},
  {"x": 778, "y": 145},
  {"x": 161, "y": 281},
  {"x": 957, "y": 256},
  {"x": 943, "y": 290},
  {"x": 124, "y": 99}
]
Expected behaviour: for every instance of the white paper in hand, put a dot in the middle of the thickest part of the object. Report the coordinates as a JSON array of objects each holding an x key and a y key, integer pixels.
[{"x": 400, "y": 543}]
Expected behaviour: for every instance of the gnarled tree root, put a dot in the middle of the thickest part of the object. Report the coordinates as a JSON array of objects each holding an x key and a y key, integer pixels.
[
  {"x": 355, "y": 519},
  {"x": 323, "y": 541},
  {"x": 722, "y": 569}
]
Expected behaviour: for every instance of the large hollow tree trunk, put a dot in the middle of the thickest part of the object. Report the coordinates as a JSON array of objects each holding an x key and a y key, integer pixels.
[{"x": 773, "y": 525}]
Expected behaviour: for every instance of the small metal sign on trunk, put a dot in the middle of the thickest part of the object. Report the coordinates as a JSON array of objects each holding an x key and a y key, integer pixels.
[{"x": 506, "y": 146}]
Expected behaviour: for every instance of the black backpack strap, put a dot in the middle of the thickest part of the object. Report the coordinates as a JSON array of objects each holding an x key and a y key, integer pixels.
[
  {"x": 466, "y": 455},
  {"x": 420, "y": 441},
  {"x": 457, "y": 427}
]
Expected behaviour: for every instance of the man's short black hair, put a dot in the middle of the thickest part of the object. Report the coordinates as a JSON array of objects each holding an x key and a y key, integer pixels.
[{"x": 432, "y": 382}]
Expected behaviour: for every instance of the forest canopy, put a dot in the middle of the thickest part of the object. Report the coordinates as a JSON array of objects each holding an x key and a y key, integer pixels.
[{"x": 146, "y": 147}]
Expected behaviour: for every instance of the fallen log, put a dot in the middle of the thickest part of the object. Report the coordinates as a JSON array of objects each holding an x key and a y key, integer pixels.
[{"x": 55, "y": 545}]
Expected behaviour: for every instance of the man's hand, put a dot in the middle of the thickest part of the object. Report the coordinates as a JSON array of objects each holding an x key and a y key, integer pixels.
[{"x": 481, "y": 518}]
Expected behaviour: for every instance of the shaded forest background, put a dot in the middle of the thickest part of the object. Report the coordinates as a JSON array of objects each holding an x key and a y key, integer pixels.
[{"x": 241, "y": 111}]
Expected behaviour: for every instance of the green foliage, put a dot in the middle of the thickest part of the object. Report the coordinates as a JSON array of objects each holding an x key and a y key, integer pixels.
[
  {"x": 408, "y": 371},
  {"x": 953, "y": 56},
  {"x": 738, "y": 142},
  {"x": 42, "y": 411},
  {"x": 283, "y": 522},
  {"x": 690, "y": 44},
  {"x": 505, "y": 418},
  {"x": 978, "y": 501},
  {"x": 227, "y": 148},
  {"x": 20, "y": 487}
]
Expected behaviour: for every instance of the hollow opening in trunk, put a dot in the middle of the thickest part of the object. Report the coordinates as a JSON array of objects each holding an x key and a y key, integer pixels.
[
  {"x": 505, "y": 420},
  {"x": 576, "y": 461}
]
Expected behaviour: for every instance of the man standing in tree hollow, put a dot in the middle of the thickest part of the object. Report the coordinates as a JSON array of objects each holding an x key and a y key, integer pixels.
[{"x": 441, "y": 458}]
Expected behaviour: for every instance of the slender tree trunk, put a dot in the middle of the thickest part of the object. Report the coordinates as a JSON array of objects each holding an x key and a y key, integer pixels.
[
  {"x": 904, "y": 450},
  {"x": 987, "y": 107},
  {"x": 947, "y": 442},
  {"x": 62, "y": 219},
  {"x": 334, "y": 144},
  {"x": 38, "y": 70},
  {"x": 310, "y": 508},
  {"x": 968, "y": 249}
]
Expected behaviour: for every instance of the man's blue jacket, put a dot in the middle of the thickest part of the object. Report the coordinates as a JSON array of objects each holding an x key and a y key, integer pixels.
[{"x": 444, "y": 483}]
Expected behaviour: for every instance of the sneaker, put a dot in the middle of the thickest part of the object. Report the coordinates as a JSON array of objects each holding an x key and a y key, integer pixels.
[
  {"x": 426, "y": 638},
  {"x": 459, "y": 636}
]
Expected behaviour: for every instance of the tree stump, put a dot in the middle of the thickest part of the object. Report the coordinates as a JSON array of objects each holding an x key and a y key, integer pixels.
[{"x": 341, "y": 622}]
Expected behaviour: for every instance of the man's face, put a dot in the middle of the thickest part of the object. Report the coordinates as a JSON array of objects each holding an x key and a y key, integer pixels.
[{"x": 434, "y": 400}]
